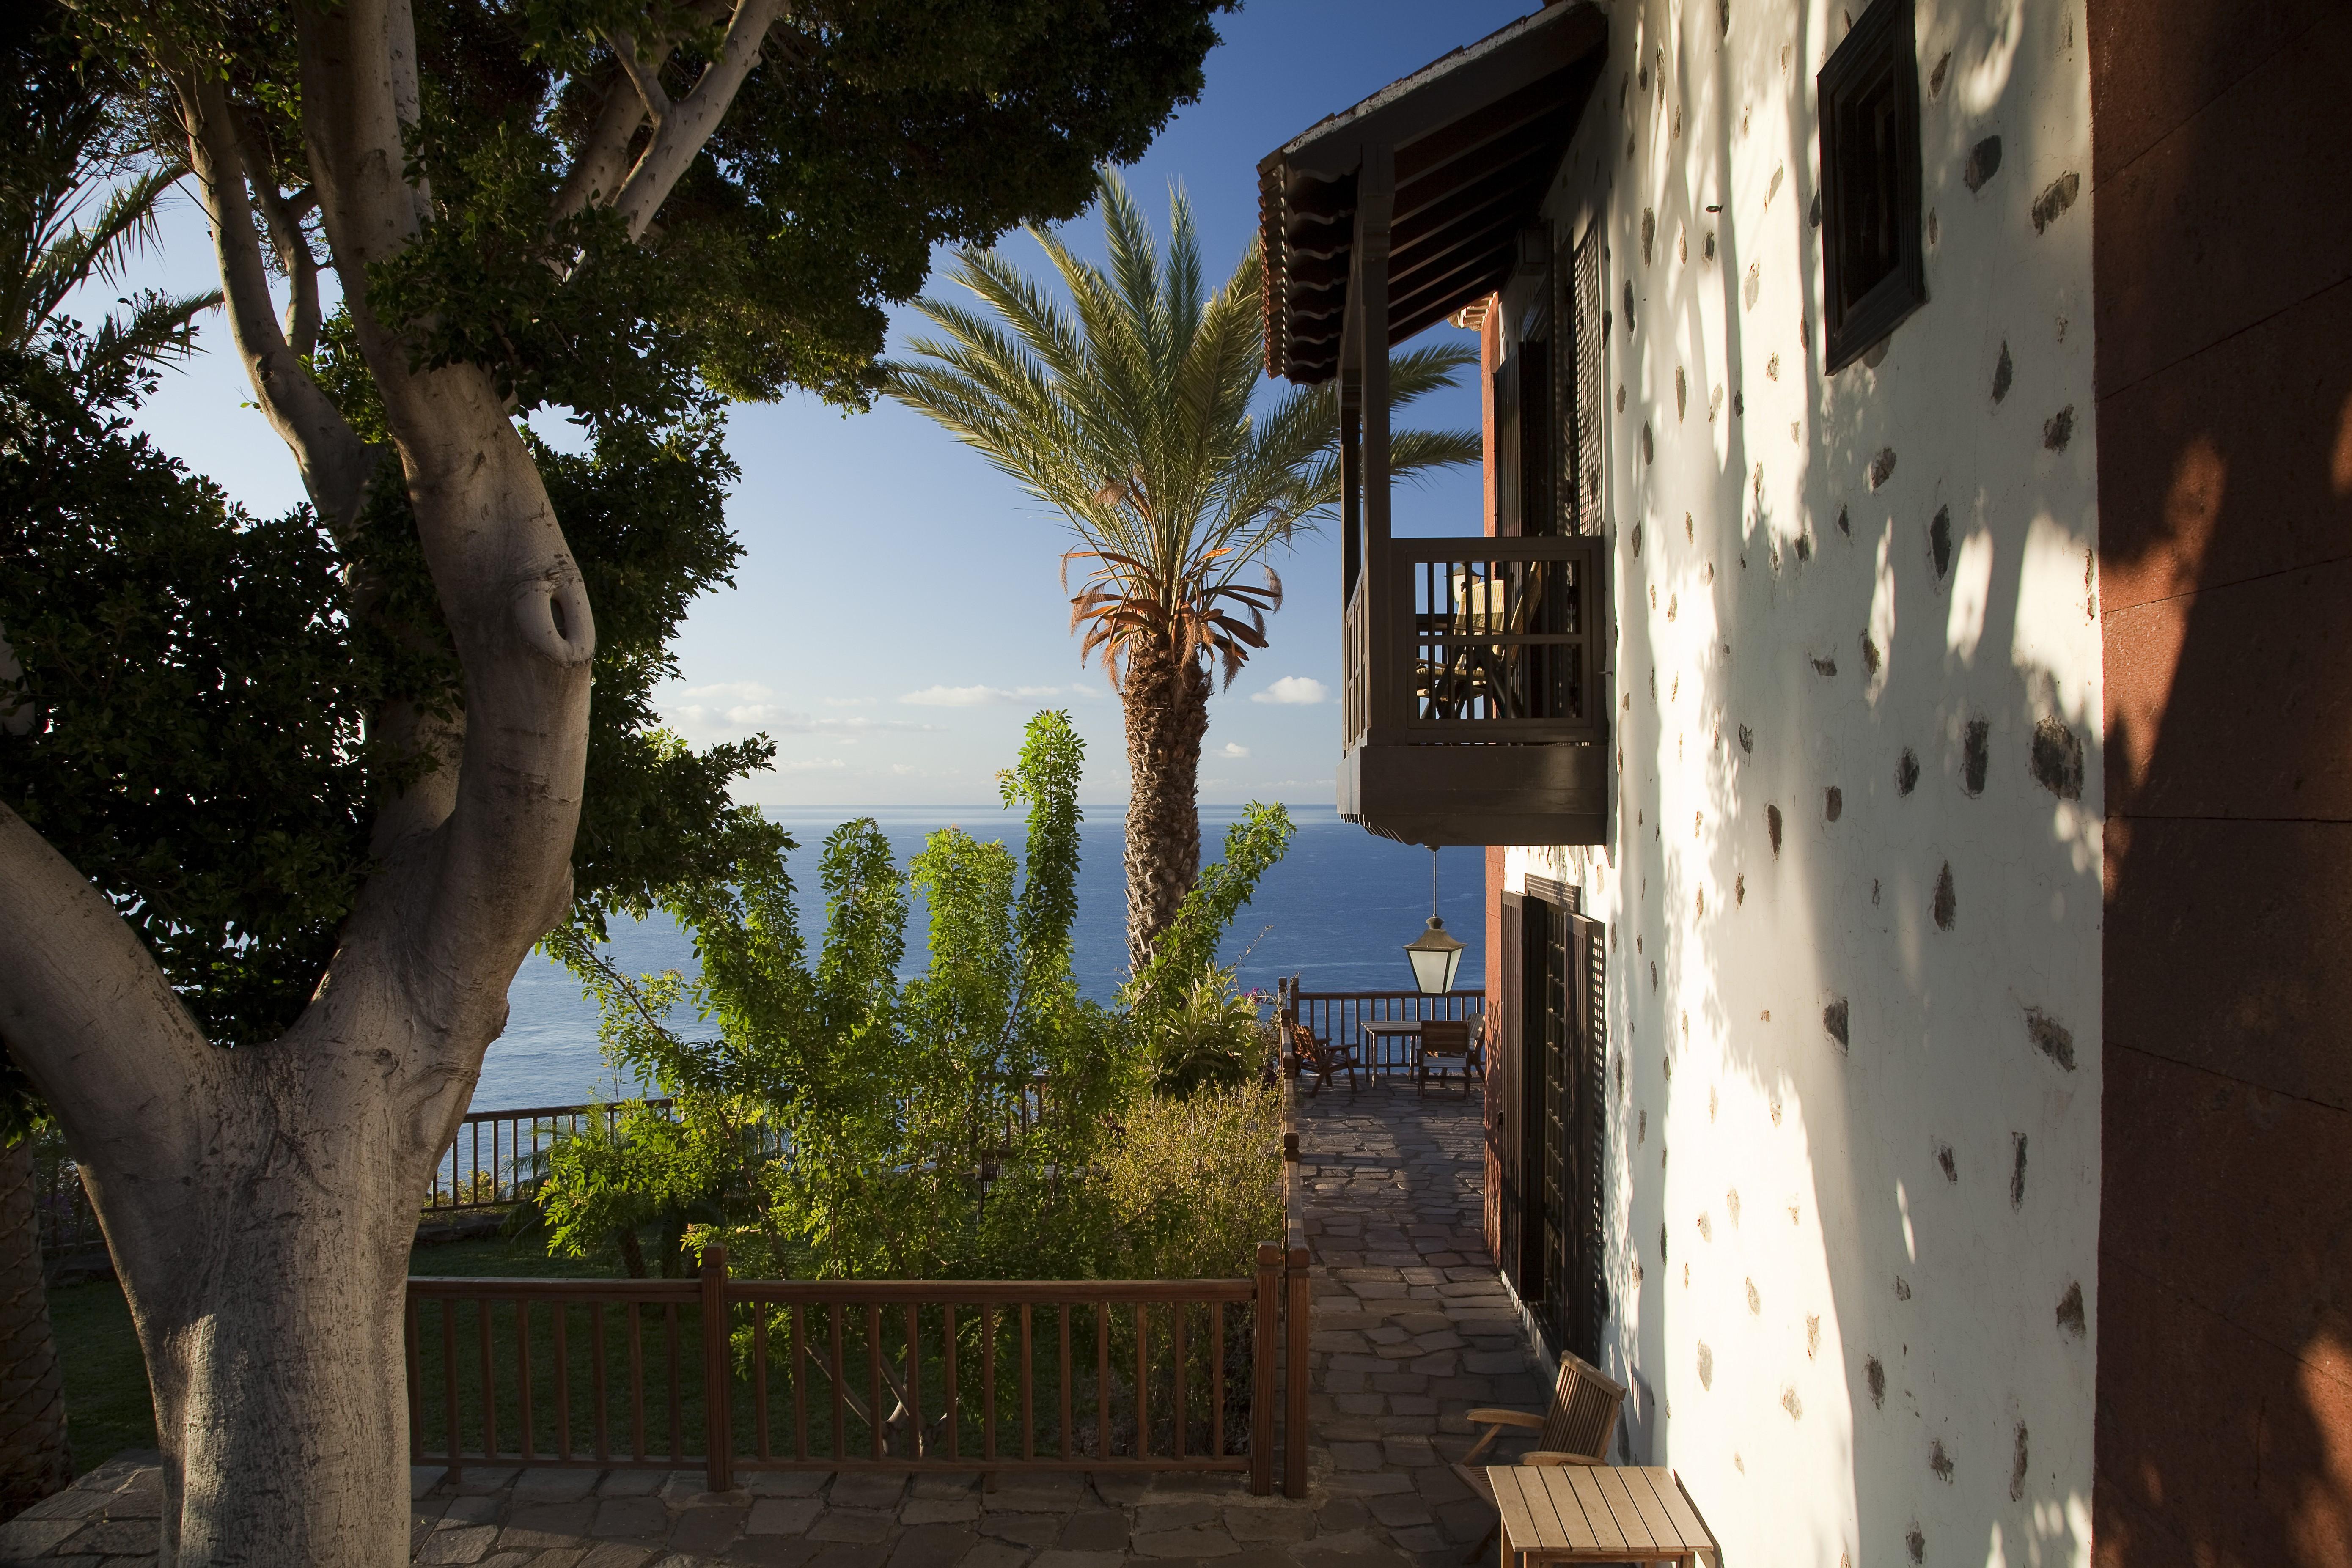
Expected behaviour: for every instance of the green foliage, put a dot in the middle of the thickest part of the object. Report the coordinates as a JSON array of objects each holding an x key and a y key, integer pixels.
[
  {"x": 1195, "y": 1182},
  {"x": 1187, "y": 950},
  {"x": 844, "y": 1124},
  {"x": 1208, "y": 1037},
  {"x": 189, "y": 727}
]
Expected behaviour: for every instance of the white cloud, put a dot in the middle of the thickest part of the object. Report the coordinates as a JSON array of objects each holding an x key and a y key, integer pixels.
[
  {"x": 1293, "y": 690},
  {"x": 742, "y": 706},
  {"x": 812, "y": 765},
  {"x": 976, "y": 696},
  {"x": 1232, "y": 750}
]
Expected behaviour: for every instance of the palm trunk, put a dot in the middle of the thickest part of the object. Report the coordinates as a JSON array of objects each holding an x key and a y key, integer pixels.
[
  {"x": 34, "y": 1459},
  {"x": 1167, "y": 703}
]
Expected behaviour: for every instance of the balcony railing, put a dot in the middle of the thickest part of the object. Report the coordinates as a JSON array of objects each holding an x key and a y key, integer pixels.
[
  {"x": 1485, "y": 640},
  {"x": 1474, "y": 691}
]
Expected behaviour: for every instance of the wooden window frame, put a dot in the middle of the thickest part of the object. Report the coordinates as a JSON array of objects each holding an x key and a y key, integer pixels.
[{"x": 1882, "y": 43}]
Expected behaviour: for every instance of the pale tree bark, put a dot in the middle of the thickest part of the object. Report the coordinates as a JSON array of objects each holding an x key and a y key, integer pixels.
[
  {"x": 1166, "y": 706},
  {"x": 261, "y": 1204}
]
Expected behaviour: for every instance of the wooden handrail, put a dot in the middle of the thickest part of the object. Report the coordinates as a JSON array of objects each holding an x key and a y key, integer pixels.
[{"x": 867, "y": 1352}]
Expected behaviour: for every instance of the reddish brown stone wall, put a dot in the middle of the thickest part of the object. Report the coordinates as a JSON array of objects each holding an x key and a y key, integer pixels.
[{"x": 2223, "y": 217}]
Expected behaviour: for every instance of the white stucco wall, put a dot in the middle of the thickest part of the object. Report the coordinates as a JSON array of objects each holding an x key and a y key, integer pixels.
[{"x": 1856, "y": 1303}]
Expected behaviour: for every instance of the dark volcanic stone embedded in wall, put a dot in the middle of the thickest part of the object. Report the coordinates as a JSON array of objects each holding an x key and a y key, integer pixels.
[
  {"x": 1984, "y": 163},
  {"x": 1906, "y": 771},
  {"x": 1947, "y": 905},
  {"x": 1938, "y": 1461},
  {"x": 1682, "y": 393},
  {"x": 1916, "y": 1543},
  {"x": 2003, "y": 373},
  {"x": 1976, "y": 756},
  {"x": 1939, "y": 542},
  {"x": 1773, "y": 827},
  {"x": 1882, "y": 467},
  {"x": 2055, "y": 199},
  {"x": 1649, "y": 234},
  {"x": 1869, "y": 654},
  {"x": 2070, "y": 1312},
  {"x": 1834, "y": 803},
  {"x": 2017, "y": 1467},
  {"x": 2059, "y": 429},
  {"x": 1649, "y": 446},
  {"x": 2057, "y": 758},
  {"x": 1845, "y": 524},
  {"x": 2017, "y": 1173},
  {"x": 2053, "y": 1040},
  {"x": 1935, "y": 78},
  {"x": 1837, "y": 1019},
  {"x": 1874, "y": 1374},
  {"x": 1747, "y": 739}
]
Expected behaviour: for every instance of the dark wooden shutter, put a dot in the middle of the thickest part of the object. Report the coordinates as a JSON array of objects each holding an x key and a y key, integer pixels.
[
  {"x": 1588, "y": 963},
  {"x": 1537, "y": 515},
  {"x": 1506, "y": 448},
  {"x": 1585, "y": 338},
  {"x": 1508, "y": 989}
]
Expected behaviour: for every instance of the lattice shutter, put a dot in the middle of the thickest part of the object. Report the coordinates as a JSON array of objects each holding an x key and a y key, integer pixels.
[
  {"x": 1587, "y": 339},
  {"x": 1508, "y": 990},
  {"x": 1589, "y": 955}
]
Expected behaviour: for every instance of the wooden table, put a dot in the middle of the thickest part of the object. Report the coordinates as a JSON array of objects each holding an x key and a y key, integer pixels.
[
  {"x": 1375, "y": 1031},
  {"x": 1598, "y": 1513}
]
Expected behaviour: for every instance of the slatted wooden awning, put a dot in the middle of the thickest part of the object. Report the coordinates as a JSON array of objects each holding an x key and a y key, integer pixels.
[{"x": 1460, "y": 154}]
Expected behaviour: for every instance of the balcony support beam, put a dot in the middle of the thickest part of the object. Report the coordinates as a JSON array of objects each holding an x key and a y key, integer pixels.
[{"x": 1368, "y": 298}]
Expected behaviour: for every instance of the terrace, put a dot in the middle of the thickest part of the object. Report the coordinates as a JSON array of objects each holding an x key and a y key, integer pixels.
[{"x": 1409, "y": 1328}]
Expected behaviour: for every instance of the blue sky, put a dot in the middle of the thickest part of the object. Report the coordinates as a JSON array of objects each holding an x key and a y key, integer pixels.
[{"x": 899, "y": 612}]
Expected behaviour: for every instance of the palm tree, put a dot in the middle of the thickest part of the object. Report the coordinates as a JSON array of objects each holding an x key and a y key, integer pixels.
[
  {"x": 1129, "y": 414},
  {"x": 78, "y": 199},
  {"x": 78, "y": 193}
]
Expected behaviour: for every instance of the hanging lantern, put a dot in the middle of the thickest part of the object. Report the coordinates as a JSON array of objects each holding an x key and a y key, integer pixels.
[{"x": 1436, "y": 955}]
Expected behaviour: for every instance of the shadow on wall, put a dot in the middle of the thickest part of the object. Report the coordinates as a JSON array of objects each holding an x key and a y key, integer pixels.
[
  {"x": 1859, "y": 674},
  {"x": 2225, "y": 471}
]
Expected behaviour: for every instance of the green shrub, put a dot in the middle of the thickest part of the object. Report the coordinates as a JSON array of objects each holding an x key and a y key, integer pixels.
[
  {"x": 1195, "y": 1183},
  {"x": 1208, "y": 1037}
]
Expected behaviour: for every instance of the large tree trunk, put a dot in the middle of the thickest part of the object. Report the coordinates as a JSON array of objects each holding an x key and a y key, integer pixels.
[
  {"x": 34, "y": 1459},
  {"x": 1167, "y": 710}
]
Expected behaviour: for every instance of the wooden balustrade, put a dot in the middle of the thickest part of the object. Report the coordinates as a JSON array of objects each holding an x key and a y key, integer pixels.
[
  {"x": 1333, "y": 1016},
  {"x": 759, "y": 1374}
]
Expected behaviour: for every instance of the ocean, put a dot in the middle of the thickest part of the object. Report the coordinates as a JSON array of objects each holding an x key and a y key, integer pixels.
[{"x": 1337, "y": 912}]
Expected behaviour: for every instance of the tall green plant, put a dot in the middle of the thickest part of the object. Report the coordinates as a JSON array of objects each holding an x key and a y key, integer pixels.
[{"x": 843, "y": 1124}]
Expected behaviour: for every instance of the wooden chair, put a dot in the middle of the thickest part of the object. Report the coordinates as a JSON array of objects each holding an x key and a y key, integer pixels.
[
  {"x": 1321, "y": 1057},
  {"x": 1576, "y": 1430},
  {"x": 1444, "y": 1037}
]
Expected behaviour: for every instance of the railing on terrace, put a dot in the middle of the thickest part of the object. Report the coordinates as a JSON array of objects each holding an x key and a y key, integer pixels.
[
  {"x": 498, "y": 1156},
  {"x": 1335, "y": 1016},
  {"x": 899, "y": 1375}
]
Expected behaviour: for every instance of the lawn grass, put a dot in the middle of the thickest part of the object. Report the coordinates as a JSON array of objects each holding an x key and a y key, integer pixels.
[
  {"x": 107, "y": 1406},
  {"x": 108, "y": 1409}
]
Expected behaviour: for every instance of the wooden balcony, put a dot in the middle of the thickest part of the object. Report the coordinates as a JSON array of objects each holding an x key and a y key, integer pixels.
[{"x": 1474, "y": 700}]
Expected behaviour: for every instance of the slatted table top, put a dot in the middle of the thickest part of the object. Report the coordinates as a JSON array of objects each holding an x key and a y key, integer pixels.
[{"x": 1608, "y": 1513}]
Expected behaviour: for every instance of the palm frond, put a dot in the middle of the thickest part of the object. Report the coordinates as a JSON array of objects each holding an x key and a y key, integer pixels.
[{"x": 1126, "y": 405}]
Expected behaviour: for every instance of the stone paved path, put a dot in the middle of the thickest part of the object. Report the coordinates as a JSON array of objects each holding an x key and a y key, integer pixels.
[{"x": 1411, "y": 1330}]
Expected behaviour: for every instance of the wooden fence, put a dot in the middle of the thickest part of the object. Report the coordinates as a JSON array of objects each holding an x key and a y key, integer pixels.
[{"x": 1335, "y": 1016}]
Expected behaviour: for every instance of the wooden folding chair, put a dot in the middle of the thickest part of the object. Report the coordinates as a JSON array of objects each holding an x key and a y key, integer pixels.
[
  {"x": 1442, "y": 1038},
  {"x": 1321, "y": 1057},
  {"x": 1576, "y": 1430}
]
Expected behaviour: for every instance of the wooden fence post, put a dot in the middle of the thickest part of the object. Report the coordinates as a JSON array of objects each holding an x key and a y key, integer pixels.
[
  {"x": 718, "y": 1374},
  {"x": 1295, "y": 1373},
  {"x": 1267, "y": 1307}
]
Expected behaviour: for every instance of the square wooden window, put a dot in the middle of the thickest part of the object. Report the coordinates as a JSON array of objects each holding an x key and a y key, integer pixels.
[{"x": 1872, "y": 263}]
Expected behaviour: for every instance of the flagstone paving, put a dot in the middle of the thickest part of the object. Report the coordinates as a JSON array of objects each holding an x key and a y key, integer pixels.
[{"x": 1410, "y": 1331}]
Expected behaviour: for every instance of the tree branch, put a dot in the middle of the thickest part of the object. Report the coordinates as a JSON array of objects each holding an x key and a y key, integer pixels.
[
  {"x": 283, "y": 217},
  {"x": 689, "y": 121},
  {"x": 603, "y": 161},
  {"x": 88, "y": 1016},
  {"x": 646, "y": 81},
  {"x": 335, "y": 463}
]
